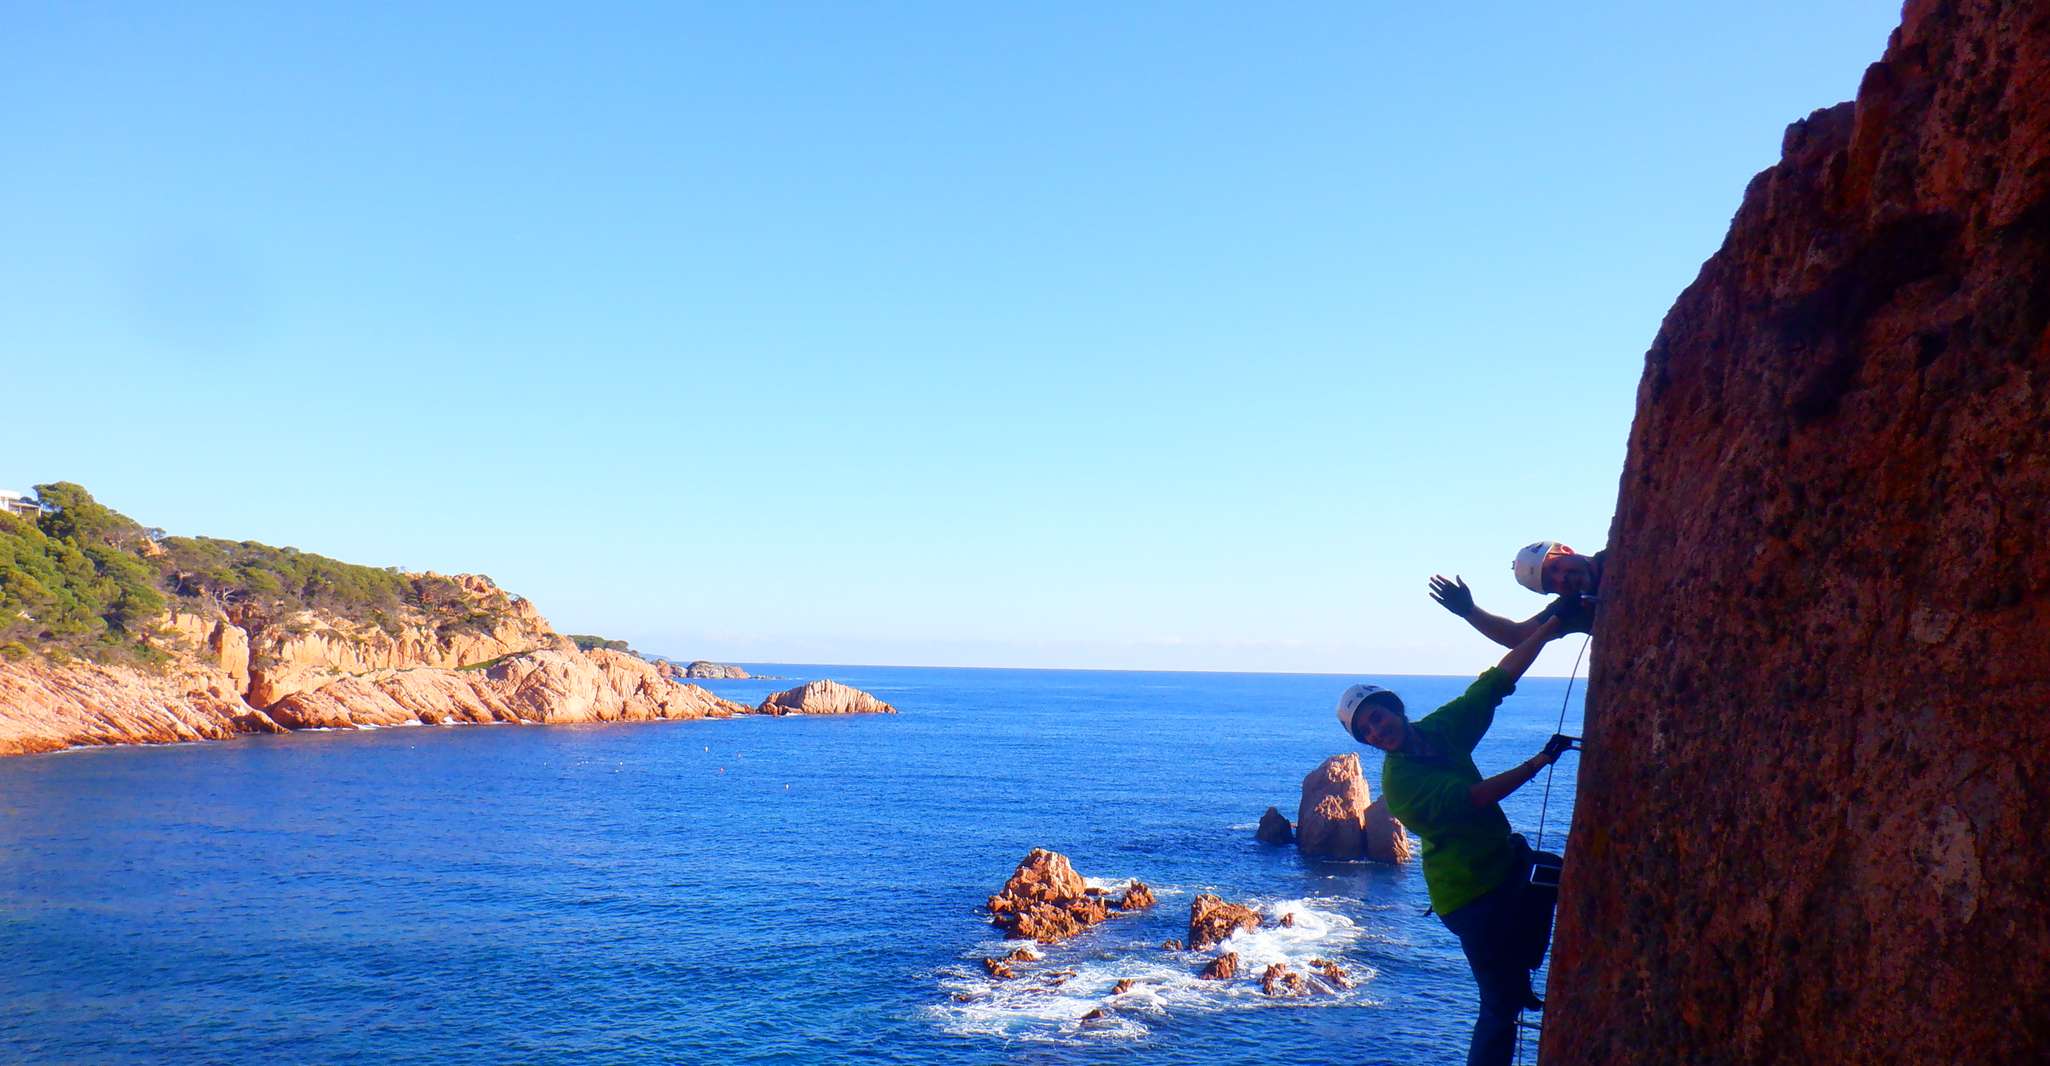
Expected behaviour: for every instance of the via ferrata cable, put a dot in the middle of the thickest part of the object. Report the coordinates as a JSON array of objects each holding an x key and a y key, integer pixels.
[{"x": 1545, "y": 807}]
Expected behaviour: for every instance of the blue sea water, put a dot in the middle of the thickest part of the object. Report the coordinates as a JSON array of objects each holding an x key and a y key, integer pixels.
[{"x": 753, "y": 890}]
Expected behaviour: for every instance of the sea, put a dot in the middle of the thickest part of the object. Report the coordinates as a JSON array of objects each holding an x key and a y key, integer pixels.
[{"x": 756, "y": 890}]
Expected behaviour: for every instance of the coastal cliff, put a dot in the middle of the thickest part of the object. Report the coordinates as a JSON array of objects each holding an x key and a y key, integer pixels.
[
  {"x": 1810, "y": 816},
  {"x": 114, "y": 634}
]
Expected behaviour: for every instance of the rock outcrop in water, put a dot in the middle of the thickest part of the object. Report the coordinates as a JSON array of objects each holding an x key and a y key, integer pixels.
[
  {"x": 1212, "y": 921},
  {"x": 1826, "y": 617},
  {"x": 712, "y": 671},
  {"x": 1338, "y": 819},
  {"x": 1047, "y": 901},
  {"x": 1279, "y": 980},
  {"x": 1274, "y": 828},
  {"x": 824, "y": 697}
]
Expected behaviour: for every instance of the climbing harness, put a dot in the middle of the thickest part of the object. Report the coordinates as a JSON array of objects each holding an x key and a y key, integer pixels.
[{"x": 1545, "y": 868}]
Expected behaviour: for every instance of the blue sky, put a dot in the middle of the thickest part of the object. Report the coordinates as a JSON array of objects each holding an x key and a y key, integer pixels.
[{"x": 1183, "y": 336}]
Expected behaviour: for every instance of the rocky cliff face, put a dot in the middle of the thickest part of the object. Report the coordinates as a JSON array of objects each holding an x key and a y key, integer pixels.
[
  {"x": 45, "y": 706},
  {"x": 548, "y": 686},
  {"x": 1810, "y": 820}
]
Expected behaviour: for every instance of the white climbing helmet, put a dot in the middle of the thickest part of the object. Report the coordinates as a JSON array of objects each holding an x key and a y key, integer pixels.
[
  {"x": 1530, "y": 564},
  {"x": 1356, "y": 697}
]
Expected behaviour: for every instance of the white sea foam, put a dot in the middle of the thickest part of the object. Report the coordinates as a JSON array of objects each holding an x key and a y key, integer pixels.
[{"x": 1035, "y": 1006}]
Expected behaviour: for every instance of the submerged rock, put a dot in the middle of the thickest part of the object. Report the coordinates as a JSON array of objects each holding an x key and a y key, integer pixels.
[
  {"x": 1212, "y": 920},
  {"x": 998, "y": 969},
  {"x": 1274, "y": 828},
  {"x": 1123, "y": 986},
  {"x": 1222, "y": 968},
  {"x": 824, "y": 697},
  {"x": 1337, "y": 819},
  {"x": 1332, "y": 973},
  {"x": 1170, "y": 945},
  {"x": 1279, "y": 980}
]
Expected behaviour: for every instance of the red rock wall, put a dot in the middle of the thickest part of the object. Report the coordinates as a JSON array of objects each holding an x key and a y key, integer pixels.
[{"x": 1814, "y": 807}]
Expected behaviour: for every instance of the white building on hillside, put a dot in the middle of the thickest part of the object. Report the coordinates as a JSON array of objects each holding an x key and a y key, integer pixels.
[{"x": 19, "y": 503}]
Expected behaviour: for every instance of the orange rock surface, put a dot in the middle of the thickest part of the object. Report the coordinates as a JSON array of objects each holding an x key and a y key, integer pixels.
[
  {"x": 1211, "y": 920},
  {"x": 1279, "y": 980},
  {"x": 824, "y": 697},
  {"x": 1046, "y": 900},
  {"x": 1810, "y": 818},
  {"x": 1338, "y": 819}
]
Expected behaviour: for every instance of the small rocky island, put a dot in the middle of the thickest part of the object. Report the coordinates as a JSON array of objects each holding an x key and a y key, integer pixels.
[{"x": 707, "y": 670}]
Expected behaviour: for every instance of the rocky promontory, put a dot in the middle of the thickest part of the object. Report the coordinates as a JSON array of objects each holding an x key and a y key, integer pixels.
[{"x": 200, "y": 639}]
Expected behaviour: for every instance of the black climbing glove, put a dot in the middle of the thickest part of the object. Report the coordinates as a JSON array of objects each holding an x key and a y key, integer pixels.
[
  {"x": 1559, "y": 745},
  {"x": 1452, "y": 595},
  {"x": 1575, "y": 614}
]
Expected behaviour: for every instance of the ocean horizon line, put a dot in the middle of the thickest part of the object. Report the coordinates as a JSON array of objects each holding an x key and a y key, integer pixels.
[{"x": 752, "y": 664}]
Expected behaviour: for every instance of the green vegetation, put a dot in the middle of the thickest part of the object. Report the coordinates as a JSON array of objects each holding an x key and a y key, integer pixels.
[
  {"x": 585, "y": 642},
  {"x": 74, "y": 579},
  {"x": 84, "y": 579}
]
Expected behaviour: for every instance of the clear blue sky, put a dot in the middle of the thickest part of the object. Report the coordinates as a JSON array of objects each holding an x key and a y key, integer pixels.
[{"x": 1135, "y": 335}]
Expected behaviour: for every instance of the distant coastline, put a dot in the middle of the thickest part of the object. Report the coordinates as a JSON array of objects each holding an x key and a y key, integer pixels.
[{"x": 116, "y": 633}]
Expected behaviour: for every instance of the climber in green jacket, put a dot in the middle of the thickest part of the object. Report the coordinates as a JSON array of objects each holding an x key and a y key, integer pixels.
[{"x": 1475, "y": 869}]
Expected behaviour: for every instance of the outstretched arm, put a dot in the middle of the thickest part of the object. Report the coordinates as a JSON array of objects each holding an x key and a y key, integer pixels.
[
  {"x": 1454, "y": 596},
  {"x": 1526, "y": 651}
]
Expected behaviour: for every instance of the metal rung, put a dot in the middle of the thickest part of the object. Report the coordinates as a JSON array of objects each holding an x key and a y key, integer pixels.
[{"x": 1532, "y": 1026}]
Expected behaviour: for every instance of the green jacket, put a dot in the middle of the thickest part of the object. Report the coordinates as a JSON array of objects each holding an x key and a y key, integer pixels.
[{"x": 1466, "y": 848}]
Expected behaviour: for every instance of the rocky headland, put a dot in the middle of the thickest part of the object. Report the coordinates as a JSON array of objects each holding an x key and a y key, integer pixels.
[
  {"x": 207, "y": 640},
  {"x": 1810, "y": 816}
]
